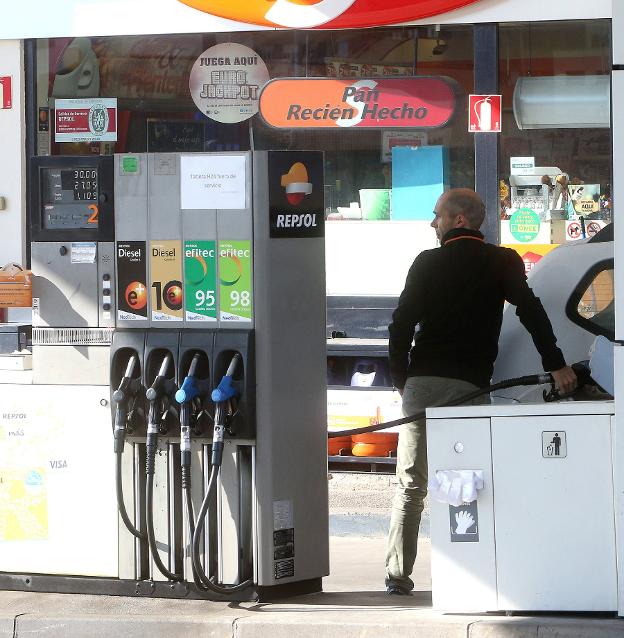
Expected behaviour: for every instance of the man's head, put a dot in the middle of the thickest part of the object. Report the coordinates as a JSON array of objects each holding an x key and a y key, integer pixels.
[{"x": 458, "y": 208}]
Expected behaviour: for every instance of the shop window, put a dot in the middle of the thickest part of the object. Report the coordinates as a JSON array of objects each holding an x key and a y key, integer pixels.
[
  {"x": 592, "y": 305},
  {"x": 555, "y": 149}
]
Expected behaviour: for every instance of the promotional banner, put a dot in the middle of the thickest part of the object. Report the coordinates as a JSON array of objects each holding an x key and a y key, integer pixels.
[
  {"x": 131, "y": 281},
  {"x": 200, "y": 280},
  {"x": 166, "y": 280},
  {"x": 296, "y": 194},
  {"x": 417, "y": 102},
  {"x": 226, "y": 80},
  {"x": 235, "y": 293},
  {"x": 85, "y": 120}
]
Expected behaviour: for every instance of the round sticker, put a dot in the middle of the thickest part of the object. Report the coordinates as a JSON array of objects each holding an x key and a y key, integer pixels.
[
  {"x": 524, "y": 225},
  {"x": 226, "y": 81}
]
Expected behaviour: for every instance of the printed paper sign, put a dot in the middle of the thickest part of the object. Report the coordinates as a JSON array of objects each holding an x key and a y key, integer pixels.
[
  {"x": 131, "y": 281},
  {"x": 235, "y": 294},
  {"x": 166, "y": 280},
  {"x": 85, "y": 120},
  {"x": 225, "y": 82},
  {"x": 210, "y": 182},
  {"x": 200, "y": 280},
  {"x": 522, "y": 165}
]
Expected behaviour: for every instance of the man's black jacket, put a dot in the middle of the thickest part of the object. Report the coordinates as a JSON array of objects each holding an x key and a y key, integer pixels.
[{"x": 455, "y": 295}]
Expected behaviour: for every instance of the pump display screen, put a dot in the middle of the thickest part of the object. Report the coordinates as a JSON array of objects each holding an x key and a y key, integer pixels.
[{"x": 69, "y": 198}]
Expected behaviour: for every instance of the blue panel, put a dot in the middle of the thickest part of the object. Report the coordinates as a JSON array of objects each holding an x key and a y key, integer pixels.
[{"x": 419, "y": 177}]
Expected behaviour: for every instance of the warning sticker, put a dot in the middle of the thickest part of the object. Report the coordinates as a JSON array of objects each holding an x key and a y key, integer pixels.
[
  {"x": 284, "y": 569},
  {"x": 284, "y": 552},
  {"x": 464, "y": 522}
]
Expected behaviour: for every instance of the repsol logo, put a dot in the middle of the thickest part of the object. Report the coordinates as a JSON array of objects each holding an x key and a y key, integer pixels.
[
  {"x": 13, "y": 415},
  {"x": 58, "y": 464},
  {"x": 307, "y": 220}
]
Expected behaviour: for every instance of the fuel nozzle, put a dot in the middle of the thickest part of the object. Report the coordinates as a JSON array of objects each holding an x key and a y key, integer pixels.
[
  {"x": 123, "y": 396},
  {"x": 156, "y": 394},
  {"x": 186, "y": 397},
  {"x": 223, "y": 396}
]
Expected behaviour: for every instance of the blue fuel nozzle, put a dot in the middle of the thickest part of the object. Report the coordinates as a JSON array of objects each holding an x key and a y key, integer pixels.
[
  {"x": 224, "y": 391},
  {"x": 188, "y": 391}
]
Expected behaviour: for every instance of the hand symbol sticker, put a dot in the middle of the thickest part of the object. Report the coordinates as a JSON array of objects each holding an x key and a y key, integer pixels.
[{"x": 464, "y": 522}]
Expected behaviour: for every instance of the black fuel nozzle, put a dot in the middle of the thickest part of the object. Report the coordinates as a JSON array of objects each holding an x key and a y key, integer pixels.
[
  {"x": 156, "y": 394},
  {"x": 223, "y": 396},
  {"x": 123, "y": 396},
  {"x": 584, "y": 378}
]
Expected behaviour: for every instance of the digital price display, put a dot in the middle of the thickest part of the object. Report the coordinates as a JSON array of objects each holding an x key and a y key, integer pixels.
[{"x": 70, "y": 198}]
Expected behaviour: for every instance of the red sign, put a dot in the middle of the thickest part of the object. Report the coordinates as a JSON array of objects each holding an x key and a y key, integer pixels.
[
  {"x": 85, "y": 120},
  {"x": 418, "y": 102},
  {"x": 331, "y": 14},
  {"x": 484, "y": 113},
  {"x": 574, "y": 230},
  {"x": 6, "y": 92}
]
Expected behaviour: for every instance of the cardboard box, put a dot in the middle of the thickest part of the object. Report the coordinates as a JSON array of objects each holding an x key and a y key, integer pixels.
[{"x": 15, "y": 287}]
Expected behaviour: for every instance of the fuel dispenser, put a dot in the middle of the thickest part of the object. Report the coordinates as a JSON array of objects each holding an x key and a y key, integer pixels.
[{"x": 215, "y": 383}]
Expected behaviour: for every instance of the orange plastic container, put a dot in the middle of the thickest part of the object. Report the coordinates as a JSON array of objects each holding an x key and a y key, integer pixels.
[
  {"x": 339, "y": 443},
  {"x": 374, "y": 444}
]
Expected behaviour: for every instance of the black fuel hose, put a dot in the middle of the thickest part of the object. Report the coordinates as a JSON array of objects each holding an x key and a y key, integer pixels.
[
  {"x": 217, "y": 455},
  {"x": 534, "y": 379},
  {"x": 121, "y": 506},
  {"x": 153, "y": 395},
  {"x": 121, "y": 396}
]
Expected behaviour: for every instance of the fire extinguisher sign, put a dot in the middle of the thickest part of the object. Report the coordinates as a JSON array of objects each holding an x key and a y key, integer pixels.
[
  {"x": 484, "y": 113},
  {"x": 6, "y": 92}
]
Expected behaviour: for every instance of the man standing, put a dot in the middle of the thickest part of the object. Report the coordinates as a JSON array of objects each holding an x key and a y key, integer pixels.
[{"x": 455, "y": 295}]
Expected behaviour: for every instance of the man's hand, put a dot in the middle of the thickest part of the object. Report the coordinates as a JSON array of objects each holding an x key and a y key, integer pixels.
[{"x": 565, "y": 379}]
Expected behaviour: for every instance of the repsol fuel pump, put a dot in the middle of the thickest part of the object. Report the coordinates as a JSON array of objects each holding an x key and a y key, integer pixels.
[{"x": 200, "y": 372}]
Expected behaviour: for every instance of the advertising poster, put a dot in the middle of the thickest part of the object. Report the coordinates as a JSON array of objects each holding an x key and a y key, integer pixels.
[
  {"x": 296, "y": 194},
  {"x": 166, "y": 280},
  {"x": 85, "y": 120},
  {"x": 200, "y": 280},
  {"x": 353, "y": 409},
  {"x": 235, "y": 293},
  {"x": 584, "y": 198},
  {"x": 131, "y": 281},
  {"x": 418, "y": 102},
  {"x": 226, "y": 80}
]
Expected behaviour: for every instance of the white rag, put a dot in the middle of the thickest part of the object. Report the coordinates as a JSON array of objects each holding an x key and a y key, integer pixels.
[{"x": 455, "y": 487}]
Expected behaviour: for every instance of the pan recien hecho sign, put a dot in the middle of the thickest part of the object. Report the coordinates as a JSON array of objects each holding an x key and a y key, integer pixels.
[{"x": 417, "y": 102}]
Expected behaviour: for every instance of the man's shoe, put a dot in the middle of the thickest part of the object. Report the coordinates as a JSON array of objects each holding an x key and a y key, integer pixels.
[{"x": 395, "y": 590}]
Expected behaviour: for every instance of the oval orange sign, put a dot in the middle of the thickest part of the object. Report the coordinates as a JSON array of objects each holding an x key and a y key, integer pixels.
[
  {"x": 334, "y": 14},
  {"x": 418, "y": 102}
]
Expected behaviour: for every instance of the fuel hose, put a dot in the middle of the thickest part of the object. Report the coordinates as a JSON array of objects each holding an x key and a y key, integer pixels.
[
  {"x": 121, "y": 397},
  {"x": 580, "y": 369},
  {"x": 221, "y": 396},
  {"x": 154, "y": 394}
]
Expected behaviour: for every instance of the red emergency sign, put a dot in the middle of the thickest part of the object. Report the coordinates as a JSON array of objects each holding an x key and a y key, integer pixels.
[
  {"x": 484, "y": 113},
  {"x": 6, "y": 92}
]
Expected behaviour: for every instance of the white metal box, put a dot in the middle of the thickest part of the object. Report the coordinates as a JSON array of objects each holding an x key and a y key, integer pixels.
[{"x": 543, "y": 536}]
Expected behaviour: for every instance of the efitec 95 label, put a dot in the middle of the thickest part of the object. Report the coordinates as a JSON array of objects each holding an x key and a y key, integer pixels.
[{"x": 200, "y": 281}]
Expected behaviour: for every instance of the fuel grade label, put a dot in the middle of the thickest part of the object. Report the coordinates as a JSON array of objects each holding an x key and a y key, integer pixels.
[
  {"x": 200, "y": 281},
  {"x": 131, "y": 281},
  {"x": 166, "y": 280},
  {"x": 235, "y": 293}
]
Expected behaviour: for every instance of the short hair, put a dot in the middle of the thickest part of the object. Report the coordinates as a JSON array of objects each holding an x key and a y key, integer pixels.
[{"x": 467, "y": 203}]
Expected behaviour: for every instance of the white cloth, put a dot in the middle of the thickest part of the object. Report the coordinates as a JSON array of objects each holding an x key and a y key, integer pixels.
[{"x": 455, "y": 487}]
